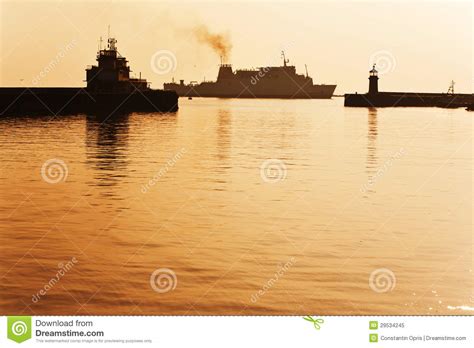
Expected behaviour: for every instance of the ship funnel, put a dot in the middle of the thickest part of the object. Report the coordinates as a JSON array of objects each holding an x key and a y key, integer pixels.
[{"x": 225, "y": 72}]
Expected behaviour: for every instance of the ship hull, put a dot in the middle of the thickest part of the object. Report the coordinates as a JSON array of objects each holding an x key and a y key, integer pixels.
[
  {"x": 54, "y": 101},
  {"x": 217, "y": 90}
]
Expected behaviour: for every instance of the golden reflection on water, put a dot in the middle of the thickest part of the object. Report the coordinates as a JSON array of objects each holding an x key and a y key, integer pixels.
[{"x": 354, "y": 192}]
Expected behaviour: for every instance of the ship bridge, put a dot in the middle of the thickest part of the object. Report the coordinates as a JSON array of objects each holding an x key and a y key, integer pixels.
[{"x": 112, "y": 74}]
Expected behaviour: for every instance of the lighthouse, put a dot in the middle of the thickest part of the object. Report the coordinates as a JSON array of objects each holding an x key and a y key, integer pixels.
[{"x": 373, "y": 81}]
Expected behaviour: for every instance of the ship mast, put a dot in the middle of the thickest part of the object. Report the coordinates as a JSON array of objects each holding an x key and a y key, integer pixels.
[
  {"x": 284, "y": 59},
  {"x": 451, "y": 88},
  {"x": 111, "y": 41}
]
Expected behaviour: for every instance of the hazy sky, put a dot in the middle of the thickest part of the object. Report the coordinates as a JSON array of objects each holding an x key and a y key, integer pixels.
[{"x": 420, "y": 45}]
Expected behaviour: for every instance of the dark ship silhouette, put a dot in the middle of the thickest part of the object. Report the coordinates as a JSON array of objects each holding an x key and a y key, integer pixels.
[
  {"x": 110, "y": 89},
  {"x": 374, "y": 98},
  {"x": 264, "y": 82}
]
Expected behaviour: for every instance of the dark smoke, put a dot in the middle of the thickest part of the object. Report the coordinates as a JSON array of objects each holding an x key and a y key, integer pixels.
[{"x": 220, "y": 43}]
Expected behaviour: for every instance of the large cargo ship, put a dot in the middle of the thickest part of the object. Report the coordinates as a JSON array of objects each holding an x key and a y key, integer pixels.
[
  {"x": 110, "y": 89},
  {"x": 264, "y": 82}
]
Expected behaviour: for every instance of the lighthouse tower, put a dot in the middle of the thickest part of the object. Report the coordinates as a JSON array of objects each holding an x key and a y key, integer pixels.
[{"x": 373, "y": 81}]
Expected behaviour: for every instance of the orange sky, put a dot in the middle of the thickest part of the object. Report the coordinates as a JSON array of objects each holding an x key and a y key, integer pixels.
[{"x": 420, "y": 46}]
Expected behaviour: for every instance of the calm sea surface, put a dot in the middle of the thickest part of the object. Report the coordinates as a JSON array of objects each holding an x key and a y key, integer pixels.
[{"x": 238, "y": 207}]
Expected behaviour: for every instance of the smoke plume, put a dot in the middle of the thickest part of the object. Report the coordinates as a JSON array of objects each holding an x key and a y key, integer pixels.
[{"x": 220, "y": 43}]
